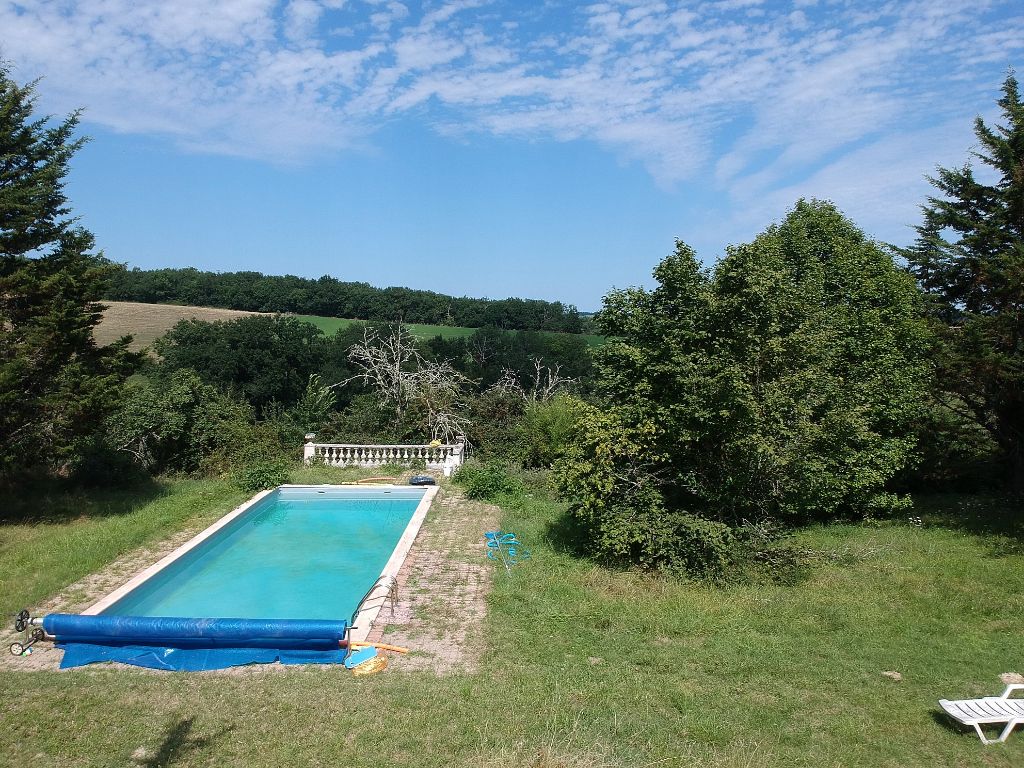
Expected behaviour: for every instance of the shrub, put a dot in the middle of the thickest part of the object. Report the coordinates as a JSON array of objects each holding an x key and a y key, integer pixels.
[
  {"x": 175, "y": 423},
  {"x": 261, "y": 475},
  {"x": 494, "y": 429},
  {"x": 488, "y": 481},
  {"x": 545, "y": 429}
]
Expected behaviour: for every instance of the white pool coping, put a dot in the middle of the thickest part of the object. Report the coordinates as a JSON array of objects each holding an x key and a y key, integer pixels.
[{"x": 363, "y": 621}]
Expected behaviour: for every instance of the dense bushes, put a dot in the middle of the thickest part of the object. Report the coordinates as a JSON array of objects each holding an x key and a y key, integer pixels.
[
  {"x": 177, "y": 423},
  {"x": 263, "y": 358},
  {"x": 221, "y": 391},
  {"x": 784, "y": 385},
  {"x": 261, "y": 475},
  {"x": 489, "y": 481}
]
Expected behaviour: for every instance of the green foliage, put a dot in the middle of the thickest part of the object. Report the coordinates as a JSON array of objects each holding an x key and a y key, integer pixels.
[
  {"x": 265, "y": 359},
  {"x": 495, "y": 416},
  {"x": 56, "y": 385},
  {"x": 489, "y": 481},
  {"x": 330, "y": 297},
  {"x": 956, "y": 452},
  {"x": 489, "y": 353},
  {"x": 546, "y": 427},
  {"x": 261, "y": 475},
  {"x": 368, "y": 420},
  {"x": 969, "y": 258},
  {"x": 314, "y": 407},
  {"x": 176, "y": 423},
  {"x": 783, "y": 385}
]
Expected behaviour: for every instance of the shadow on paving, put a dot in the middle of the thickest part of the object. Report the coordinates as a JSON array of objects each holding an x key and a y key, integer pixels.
[
  {"x": 58, "y": 501},
  {"x": 178, "y": 743}
]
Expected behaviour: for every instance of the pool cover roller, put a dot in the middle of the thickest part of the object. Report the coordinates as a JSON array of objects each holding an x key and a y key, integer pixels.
[{"x": 194, "y": 644}]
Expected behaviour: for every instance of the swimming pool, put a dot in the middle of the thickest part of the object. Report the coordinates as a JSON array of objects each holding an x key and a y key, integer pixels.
[{"x": 296, "y": 552}]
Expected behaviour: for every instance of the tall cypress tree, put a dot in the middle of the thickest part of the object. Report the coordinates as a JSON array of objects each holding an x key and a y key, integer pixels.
[
  {"x": 969, "y": 258},
  {"x": 56, "y": 385}
]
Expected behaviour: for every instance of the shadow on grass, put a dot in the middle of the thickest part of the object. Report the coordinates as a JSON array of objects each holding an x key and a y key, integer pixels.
[
  {"x": 59, "y": 501},
  {"x": 568, "y": 536},
  {"x": 178, "y": 743},
  {"x": 997, "y": 519}
]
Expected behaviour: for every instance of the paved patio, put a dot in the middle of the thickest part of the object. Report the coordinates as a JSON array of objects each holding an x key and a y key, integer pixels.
[{"x": 440, "y": 600}]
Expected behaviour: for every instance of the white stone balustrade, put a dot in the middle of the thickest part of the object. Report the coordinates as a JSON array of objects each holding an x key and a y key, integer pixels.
[{"x": 446, "y": 458}]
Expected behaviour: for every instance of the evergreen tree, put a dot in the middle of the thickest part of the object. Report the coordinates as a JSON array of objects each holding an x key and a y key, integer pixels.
[
  {"x": 969, "y": 258},
  {"x": 56, "y": 385}
]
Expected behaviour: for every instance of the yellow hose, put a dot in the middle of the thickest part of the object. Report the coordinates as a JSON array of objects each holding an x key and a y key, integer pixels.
[{"x": 378, "y": 646}]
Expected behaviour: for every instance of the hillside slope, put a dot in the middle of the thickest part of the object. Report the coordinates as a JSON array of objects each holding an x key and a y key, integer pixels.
[{"x": 147, "y": 322}]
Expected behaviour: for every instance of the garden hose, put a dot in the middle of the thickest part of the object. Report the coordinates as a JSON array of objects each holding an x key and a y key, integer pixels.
[{"x": 378, "y": 646}]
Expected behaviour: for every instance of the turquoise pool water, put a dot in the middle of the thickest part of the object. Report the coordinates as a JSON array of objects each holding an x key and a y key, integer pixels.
[{"x": 296, "y": 554}]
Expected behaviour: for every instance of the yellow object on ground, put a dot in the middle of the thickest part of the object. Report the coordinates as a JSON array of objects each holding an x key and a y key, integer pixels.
[
  {"x": 379, "y": 646},
  {"x": 372, "y": 480},
  {"x": 371, "y": 666}
]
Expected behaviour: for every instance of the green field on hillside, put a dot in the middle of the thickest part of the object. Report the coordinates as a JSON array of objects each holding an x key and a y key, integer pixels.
[
  {"x": 147, "y": 322},
  {"x": 331, "y": 325}
]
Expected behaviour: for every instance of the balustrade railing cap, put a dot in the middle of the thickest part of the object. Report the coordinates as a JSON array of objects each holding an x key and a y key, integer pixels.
[{"x": 377, "y": 447}]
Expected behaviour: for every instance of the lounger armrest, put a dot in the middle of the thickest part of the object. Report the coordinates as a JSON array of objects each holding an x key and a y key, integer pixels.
[{"x": 1011, "y": 688}]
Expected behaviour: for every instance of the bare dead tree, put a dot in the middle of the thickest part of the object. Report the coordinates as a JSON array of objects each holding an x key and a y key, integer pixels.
[
  {"x": 384, "y": 363},
  {"x": 547, "y": 382},
  {"x": 393, "y": 366}
]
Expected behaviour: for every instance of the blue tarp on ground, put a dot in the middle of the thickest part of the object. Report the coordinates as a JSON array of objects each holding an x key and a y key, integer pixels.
[{"x": 194, "y": 644}]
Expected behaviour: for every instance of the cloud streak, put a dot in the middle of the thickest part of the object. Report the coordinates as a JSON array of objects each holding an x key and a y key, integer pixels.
[{"x": 762, "y": 98}]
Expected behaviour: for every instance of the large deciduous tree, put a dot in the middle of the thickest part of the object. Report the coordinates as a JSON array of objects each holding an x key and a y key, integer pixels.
[
  {"x": 56, "y": 385},
  {"x": 969, "y": 258},
  {"x": 783, "y": 385},
  {"x": 265, "y": 358}
]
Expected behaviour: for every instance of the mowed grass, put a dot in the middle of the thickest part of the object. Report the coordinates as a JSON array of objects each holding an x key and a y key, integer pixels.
[
  {"x": 587, "y": 666},
  {"x": 51, "y": 539}
]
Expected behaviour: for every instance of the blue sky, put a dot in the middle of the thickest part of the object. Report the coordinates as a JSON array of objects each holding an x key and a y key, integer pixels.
[{"x": 537, "y": 149}]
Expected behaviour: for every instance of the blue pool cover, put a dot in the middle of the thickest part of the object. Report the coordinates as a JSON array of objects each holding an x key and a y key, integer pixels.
[{"x": 194, "y": 644}]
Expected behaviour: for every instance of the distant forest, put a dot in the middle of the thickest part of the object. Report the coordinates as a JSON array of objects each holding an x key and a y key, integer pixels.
[{"x": 327, "y": 296}]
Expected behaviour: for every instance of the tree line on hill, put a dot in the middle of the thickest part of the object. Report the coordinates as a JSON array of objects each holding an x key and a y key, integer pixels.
[
  {"x": 329, "y": 297},
  {"x": 809, "y": 375}
]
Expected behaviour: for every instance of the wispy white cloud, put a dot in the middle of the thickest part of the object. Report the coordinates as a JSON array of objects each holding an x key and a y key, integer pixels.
[{"x": 761, "y": 99}]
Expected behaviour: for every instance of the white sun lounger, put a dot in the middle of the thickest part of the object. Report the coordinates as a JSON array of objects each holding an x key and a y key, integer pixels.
[{"x": 991, "y": 710}]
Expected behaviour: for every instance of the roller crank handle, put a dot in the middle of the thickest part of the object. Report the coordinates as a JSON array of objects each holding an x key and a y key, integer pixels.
[{"x": 23, "y": 620}]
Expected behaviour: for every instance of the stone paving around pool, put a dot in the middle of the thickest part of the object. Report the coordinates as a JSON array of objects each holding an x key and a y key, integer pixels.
[
  {"x": 440, "y": 597},
  {"x": 439, "y": 607}
]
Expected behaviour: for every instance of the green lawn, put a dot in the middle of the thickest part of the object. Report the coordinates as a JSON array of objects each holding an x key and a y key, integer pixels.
[{"x": 585, "y": 666}]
